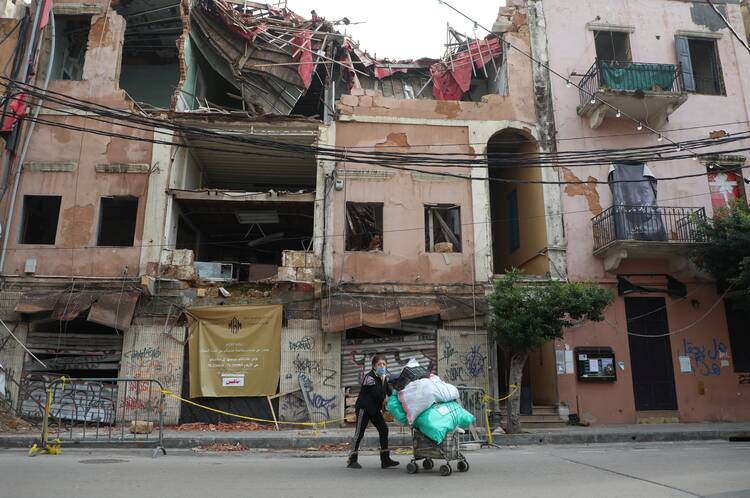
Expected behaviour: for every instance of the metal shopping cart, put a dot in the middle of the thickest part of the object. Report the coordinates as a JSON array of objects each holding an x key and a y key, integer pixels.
[{"x": 427, "y": 450}]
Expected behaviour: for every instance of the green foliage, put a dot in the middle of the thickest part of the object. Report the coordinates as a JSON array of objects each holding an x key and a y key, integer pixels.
[
  {"x": 525, "y": 315},
  {"x": 726, "y": 255}
]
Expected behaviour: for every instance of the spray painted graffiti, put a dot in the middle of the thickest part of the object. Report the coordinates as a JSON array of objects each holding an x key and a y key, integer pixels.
[
  {"x": 144, "y": 353},
  {"x": 307, "y": 343},
  {"x": 79, "y": 401},
  {"x": 475, "y": 361},
  {"x": 467, "y": 368},
  {"x": 313, "y": 367},
  {"x": 448, "y": 351},
  {"x": 706, "y": 360},
  {"x": 293, "y": 407},
  {"x": 316, "y": 403}
]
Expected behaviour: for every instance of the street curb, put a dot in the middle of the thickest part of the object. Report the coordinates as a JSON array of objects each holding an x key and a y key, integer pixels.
[{"x": 301, "y": 442}]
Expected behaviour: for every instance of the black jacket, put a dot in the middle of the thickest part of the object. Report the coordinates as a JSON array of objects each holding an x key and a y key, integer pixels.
[{"x": 372, "y": 394}]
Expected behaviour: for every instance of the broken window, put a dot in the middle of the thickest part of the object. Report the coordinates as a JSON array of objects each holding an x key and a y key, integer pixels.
[
  {"x": 117, "y": 217},
  {"x": 150, "y": 69},
  {"x": 700, "y": 65},
  {"x": 514, "y": 227},
  {"x": 364, "y": 226},
  {"x": 612, "y": 46},
  {"x": 442, "y": 228},
  {"x": 71, "y": 39},
  {"x": 40, "y": 214}
]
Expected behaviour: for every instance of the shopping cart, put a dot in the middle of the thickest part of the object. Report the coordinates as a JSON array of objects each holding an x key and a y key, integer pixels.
[{"x": 427, "y": 450}]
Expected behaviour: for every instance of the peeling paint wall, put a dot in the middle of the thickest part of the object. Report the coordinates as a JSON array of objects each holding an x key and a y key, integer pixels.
[
  {"x": 81, "y": 186},
  {"x": 571, "y": 49}
]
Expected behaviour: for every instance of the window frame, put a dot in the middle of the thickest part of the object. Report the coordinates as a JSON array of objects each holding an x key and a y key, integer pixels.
[
  {"x": 687, "y": 71},
  {"x": 102, "y": 200},
  {"x": 379, "y": 217},
  {"x": 429, "y": 214},
  {"x": 611, "y": 32},
  {"x": 25, "y": 220}
]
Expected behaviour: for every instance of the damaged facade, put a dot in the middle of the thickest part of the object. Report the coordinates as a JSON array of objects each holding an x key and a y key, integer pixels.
[{"x": 244, "y": 175}]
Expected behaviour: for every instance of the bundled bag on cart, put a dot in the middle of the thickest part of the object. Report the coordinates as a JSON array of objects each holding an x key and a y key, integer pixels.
[
  {"x": 441, "y": 418},
  {"x": 421, "y": 394}
]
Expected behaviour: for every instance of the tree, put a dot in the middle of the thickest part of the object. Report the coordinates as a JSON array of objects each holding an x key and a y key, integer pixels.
[
  {"x": 525, "y": 315},
  {"x": 726, "y": 254}
]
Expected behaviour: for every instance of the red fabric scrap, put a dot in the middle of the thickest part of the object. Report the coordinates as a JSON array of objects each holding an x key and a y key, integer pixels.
[
  {"x": 346, "y": 59},
  {"x": 483, "y": 51},
  {"x": 461, "y": 70},
  {"x": 385, "y": 72},
  {"x": 17, "y": 111},
  {"x": 303, "y": 55},
  {"x": 45, "y": 13},
  {"x": 444, "y": 86}
]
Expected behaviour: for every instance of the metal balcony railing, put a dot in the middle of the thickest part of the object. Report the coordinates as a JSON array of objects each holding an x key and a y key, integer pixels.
[
  {"x": 616, "y": 75},
  {"x": 647, "y": 223}
]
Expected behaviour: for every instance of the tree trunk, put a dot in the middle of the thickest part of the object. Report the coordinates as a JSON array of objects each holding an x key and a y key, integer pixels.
[{"x": 517, "y": 362}]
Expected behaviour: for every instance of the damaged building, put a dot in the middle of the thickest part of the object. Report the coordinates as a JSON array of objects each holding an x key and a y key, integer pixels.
[{"x": 170, "y": 160}]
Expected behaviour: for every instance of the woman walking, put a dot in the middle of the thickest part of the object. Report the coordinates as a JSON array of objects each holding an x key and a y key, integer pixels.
[{"x": 369, "y": 408}]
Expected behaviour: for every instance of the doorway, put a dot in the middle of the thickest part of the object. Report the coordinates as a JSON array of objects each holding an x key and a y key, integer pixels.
[{"x": 650, "y": 354}]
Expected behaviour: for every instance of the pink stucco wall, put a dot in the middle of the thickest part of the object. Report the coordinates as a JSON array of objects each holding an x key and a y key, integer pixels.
[
  {"x": 75, "y": 251},
  {"x": 571, "y": 49}
]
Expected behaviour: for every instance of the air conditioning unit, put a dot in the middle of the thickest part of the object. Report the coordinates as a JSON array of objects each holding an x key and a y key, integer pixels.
[{"x": 213, "y": 271}]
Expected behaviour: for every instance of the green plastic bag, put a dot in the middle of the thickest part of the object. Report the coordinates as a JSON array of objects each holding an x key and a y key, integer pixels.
[
  {"x": 441, "y": 418},
  {"x": 394, "y": 408}
]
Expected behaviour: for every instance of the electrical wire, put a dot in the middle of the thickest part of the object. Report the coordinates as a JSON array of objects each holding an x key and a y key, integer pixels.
[{"x": 499, "y": 160}]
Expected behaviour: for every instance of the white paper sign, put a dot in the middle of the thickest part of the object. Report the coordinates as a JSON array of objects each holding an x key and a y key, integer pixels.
[
  {"x": 232, "y": 380},
  {"x": 569, "y": 367},
  {"x": 582, "y": 357},
  {"x": 685, "y": 366},
  {"x": 593, "y": 366}
]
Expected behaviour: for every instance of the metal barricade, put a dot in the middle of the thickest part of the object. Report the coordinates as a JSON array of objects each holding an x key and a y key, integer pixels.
[
  {"x": 117, "y": 410},
  {"x": 473, "y": 399}
]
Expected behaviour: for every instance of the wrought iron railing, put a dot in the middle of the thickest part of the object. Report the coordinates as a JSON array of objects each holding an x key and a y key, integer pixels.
[
  {"x": 616, "y": 75},
  {"x": 647, "y": 223}
]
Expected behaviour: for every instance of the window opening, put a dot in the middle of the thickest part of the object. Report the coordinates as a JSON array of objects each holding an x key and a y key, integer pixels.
[
  {"x": 150, "y": 70},
  {"x": 40, "y": 215},
  {"x": 739, "y": 339},
  {"x": 442, "y": 228},
  {"x": 71, "y": 40},
  {"x": 364, "y": 226},
  {"x": 612, "y": 46},
  {"x": 117, "y": 216},
  {"x": 700, "y": 65}
]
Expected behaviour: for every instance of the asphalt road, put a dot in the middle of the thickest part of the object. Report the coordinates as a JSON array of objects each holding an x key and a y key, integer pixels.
[{"x": 707, "y": 469}]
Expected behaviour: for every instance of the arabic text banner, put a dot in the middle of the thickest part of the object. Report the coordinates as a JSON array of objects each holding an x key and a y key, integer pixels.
[{"x": 235, "y": 350}]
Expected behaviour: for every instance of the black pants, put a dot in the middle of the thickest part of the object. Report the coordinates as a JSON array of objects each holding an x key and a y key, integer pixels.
[{"x": 378, "y": 421}]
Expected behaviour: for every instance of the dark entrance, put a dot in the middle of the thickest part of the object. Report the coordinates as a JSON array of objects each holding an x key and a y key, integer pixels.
[{"x": 650, "y": 357}]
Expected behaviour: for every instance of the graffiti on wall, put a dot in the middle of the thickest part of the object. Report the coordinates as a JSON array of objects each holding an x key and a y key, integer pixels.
[
  {"x": 79, "y": 401},
  {"x": 467, "y": 367},
  {"x": 707, "y": 359},
  {"x": 307, "y": 343},
  {"x": 148, "y": 362}
]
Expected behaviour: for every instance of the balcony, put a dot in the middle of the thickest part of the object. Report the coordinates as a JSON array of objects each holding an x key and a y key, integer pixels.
[
  {"x": 646, "y": 232},
  {"x": 648, "y": 92}
]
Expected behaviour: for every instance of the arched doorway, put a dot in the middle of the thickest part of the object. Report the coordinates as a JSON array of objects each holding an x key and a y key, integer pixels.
[
  {"x": 519, "y": 240},
  {"x": 519, "y": 231}
]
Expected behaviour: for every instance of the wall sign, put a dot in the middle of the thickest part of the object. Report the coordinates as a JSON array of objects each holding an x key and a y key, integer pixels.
[{"x": 595, "y": 364}]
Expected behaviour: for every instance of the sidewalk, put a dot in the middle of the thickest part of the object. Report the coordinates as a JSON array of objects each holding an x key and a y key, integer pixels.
[{"x": 308, "y": 439}]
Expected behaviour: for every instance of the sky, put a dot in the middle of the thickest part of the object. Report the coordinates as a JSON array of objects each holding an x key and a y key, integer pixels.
[{"x": 402, "y": 29}]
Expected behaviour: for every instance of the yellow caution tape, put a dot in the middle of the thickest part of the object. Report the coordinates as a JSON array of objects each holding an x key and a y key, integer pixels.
[{"x": 314, "y": 425}]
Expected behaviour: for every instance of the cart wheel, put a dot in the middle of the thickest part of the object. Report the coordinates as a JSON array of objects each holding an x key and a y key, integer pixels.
[
  {"x": 463, "y": 466},
  {"x": 411, "y": 468},
  {"x": 428, "y": 464},
  {"x": 445, "y": 470}
]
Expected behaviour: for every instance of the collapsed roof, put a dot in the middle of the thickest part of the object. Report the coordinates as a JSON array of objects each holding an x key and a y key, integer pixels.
[{"x": 276, "y": 59}]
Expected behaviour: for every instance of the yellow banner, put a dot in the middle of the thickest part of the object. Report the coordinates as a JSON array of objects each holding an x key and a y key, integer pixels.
[{"x": 235, "y": 350}]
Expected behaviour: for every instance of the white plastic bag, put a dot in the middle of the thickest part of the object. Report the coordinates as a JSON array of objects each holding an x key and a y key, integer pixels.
[{"x": 421, "y": 394}]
